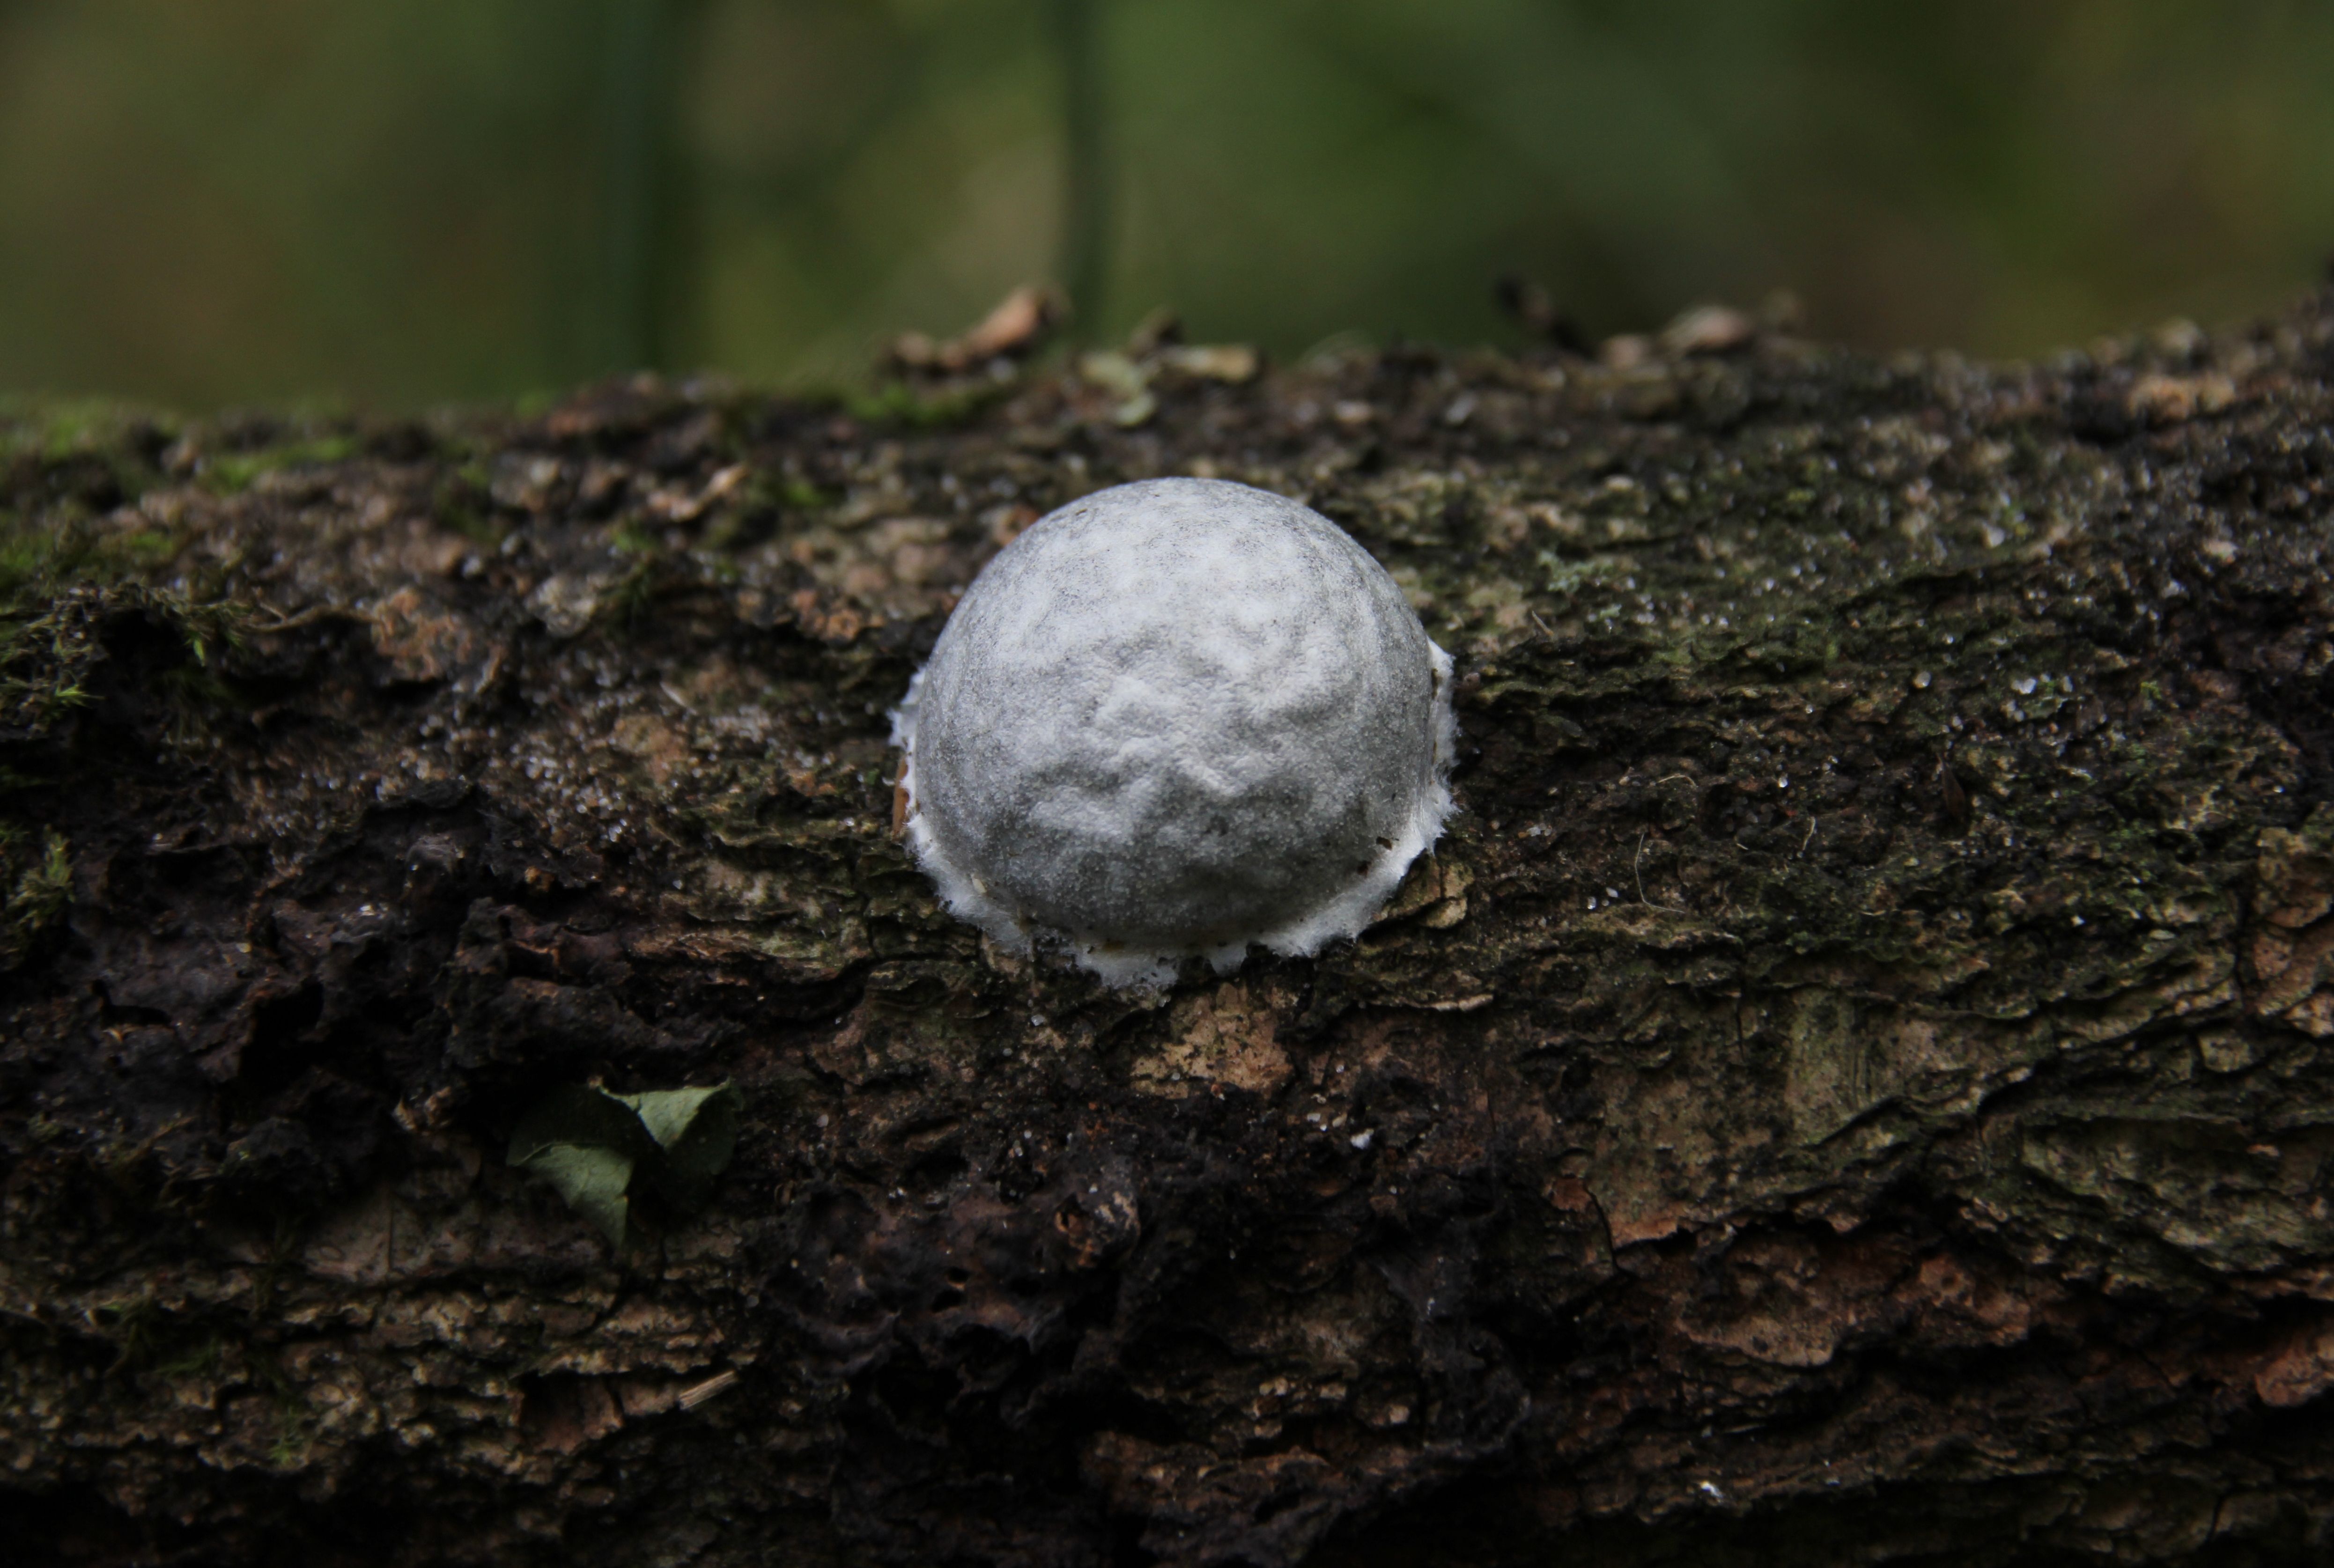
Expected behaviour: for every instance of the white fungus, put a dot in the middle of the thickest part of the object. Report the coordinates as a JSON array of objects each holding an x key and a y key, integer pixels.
[{"x": 1176, "y": 719}]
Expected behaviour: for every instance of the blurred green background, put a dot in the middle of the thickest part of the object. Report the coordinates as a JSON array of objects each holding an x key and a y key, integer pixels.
[{"x": 394, "y": 202}]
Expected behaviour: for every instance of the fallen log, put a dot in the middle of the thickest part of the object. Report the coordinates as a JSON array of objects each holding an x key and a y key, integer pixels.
[{"x": 1850, "y": 1086}]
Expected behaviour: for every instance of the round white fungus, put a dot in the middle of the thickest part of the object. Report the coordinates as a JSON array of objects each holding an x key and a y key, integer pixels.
[{"x": 1174, "y": 719}]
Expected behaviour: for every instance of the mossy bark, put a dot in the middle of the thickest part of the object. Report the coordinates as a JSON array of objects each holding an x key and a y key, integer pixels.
[{"x": 1852, "y": 1087}]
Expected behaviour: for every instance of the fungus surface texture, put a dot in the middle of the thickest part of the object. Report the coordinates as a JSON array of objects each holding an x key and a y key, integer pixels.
[{"x": 1177, "y": 718}]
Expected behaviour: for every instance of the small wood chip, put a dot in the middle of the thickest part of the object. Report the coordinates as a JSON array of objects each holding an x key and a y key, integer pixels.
[{"x": 695, "y": 1395}]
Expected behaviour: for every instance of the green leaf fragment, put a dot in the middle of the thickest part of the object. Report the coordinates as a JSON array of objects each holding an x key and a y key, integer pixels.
[
  {"x": 580, "y": 1113},
  {"x": 591, "y": 1145},
  {"x": 697, "y": 1129},
  {"x": 593, "y": 1181}
]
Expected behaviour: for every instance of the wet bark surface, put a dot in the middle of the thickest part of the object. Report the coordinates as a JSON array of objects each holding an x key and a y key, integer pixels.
[{"x": 1853, "y": 1086}]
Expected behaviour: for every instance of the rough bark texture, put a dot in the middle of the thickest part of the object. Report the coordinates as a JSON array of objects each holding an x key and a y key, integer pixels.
[{"x": 1857, "y": 1086}]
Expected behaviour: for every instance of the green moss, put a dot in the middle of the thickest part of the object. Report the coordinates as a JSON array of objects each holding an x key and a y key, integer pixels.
[
  {"x": 42, "y": 658},
  {"x": 632, "y": 537},
  {"x": 231, "y": 473},
  {"x": 52, "y": 430},
  {"x": 42, "y": 555},
  {"x": 460, "y": 505},
  {"x": 802, "y": 495},
  {"x": 630, "y": 598},
  {"x": 198, "y": 1362},
  {"x": 898, "y": 404},
  {"x": 291, "y": 1436},
  {"x": 1566, "y": 578},
  {"x": 134, "y": 1326},
  {"x": 39, "y": 883}
]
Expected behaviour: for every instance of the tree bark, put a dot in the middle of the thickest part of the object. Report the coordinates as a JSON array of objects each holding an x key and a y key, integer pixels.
[{"x": 1853, "y": 1085}]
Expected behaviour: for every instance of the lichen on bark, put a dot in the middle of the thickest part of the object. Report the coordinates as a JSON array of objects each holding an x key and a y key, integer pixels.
[{"x": 1850, "y": 1086}]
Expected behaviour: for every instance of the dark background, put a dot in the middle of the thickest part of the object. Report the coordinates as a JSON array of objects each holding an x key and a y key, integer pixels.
[{"x": 393, "y": 202}]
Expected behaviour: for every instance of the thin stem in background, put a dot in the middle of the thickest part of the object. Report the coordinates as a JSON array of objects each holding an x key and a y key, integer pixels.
[
  {"x": 648, "y": 235},
  {"x": 1087, "y": 185}
]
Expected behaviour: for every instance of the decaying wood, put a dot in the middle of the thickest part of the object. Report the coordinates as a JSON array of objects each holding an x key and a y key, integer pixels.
[{"x": 1855, "y": 1086}]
